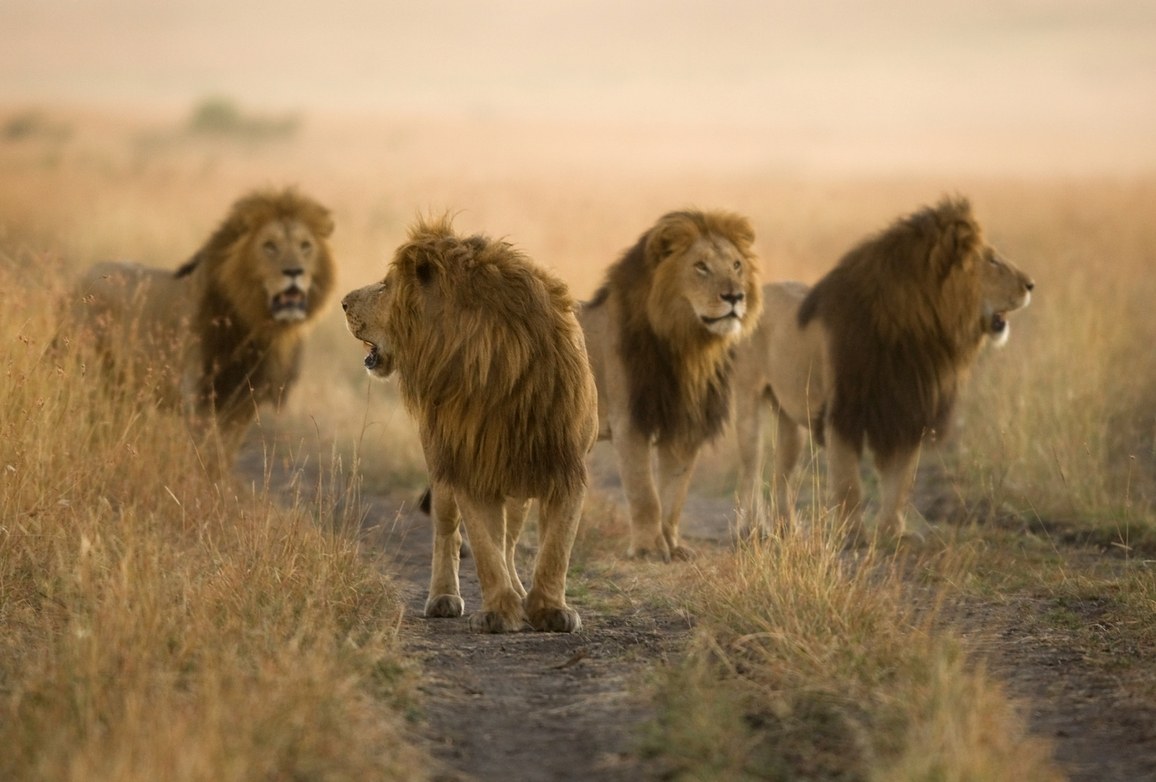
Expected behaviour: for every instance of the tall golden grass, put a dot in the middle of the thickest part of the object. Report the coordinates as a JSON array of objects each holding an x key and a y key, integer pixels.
[
  {"x": 157, "y": 625},
  {"x": 810, "y": 663}
]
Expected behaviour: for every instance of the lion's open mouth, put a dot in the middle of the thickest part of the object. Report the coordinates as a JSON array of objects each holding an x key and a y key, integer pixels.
[
  {"x": 998, "y": 323},
  {"x": 373, "y": 358},
  {"x": 290, "y": 304}
]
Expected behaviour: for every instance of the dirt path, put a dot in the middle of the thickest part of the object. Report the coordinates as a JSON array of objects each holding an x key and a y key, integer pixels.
[
  {"x": 532, "y": 706},
  {"x": 539, "y": 706}
]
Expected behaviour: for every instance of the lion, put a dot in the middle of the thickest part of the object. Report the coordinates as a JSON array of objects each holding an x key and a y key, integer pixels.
[
  {"x": 874, "y": 355},
  {"x": 492, "y": 364},
  {"x": 660, "y": 332},
  {"x": 224, "y": 332}
]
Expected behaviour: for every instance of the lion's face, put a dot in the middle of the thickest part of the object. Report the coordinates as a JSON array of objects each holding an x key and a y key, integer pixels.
[
  {"x": 285, "y": 254},
  {"x": 366, "y": 316},
  {"x": 1004, "y": 289},
  {"x": 712, "y": 281}
]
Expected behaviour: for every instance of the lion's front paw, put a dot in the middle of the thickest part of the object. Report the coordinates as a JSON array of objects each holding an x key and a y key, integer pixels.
[
  {"x": 444, "y": 607},
  {"x": 556, "y": 620},
  {"x": 655, "y": 549},
  {"x": 496, "y": 622},
  {"x": 682, "y": 553}
]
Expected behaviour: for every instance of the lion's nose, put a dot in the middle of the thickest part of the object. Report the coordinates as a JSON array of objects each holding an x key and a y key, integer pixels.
[
  {"x": 732, "y": 298},
  {"x": 297, "y": 272}
]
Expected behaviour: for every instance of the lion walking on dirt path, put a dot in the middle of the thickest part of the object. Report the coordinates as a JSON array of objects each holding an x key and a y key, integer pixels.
[{"x": 492, "y": 363}]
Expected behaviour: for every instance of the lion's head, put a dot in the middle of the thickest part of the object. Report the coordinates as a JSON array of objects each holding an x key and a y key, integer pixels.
[
  {"x": 269, "y": 262},
  {"x": 263, "y": 275},
  {"x": 490, "y": 360},
  {"x": 685, "y": 294},
  {"x": 906, "y": 311}
]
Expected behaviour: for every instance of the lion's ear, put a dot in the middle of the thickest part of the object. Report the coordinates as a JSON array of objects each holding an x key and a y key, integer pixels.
[
  {"x": 322, "y": 222},
  {"x": 424, "y": 270},
  {"x": 672, "y": 233},
  {"x": 960, "y": 239}
]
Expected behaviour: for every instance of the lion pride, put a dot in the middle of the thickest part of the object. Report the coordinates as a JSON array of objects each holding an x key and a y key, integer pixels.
[
  {"x": 660, "y": 333},
  {"x": 225, "y": 331},
  {"x": 492, "y": 363},
  {"x": 872, "y": 356}
]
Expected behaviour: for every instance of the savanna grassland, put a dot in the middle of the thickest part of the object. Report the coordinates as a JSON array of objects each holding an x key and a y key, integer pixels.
[{"x": 157, "y": 624}]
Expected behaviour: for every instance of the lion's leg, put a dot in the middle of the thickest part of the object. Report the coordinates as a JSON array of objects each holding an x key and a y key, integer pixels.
[
  {"x": 897, "y": 476},
  {"x": 788, "y": 447},
  {"x": 557, "y": 527},
  {"x": 502, "y": 610},
  {"x": 516, "y": 511},
  {"x": 674, "y": 472},
  {"x": 846, "y": 491},
  {"x": 445, "y": 596},
  {"x": 633, "y": 452},
  {"x": 750, "y": 507}
]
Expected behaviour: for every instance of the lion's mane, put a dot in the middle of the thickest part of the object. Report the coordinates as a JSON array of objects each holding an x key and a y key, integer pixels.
[
  {"x": 679, "y": 379},
  {"x": 900, "y": 309},
  {"x": 245, "y": 354},
  {"x": 492, "y": 363}
]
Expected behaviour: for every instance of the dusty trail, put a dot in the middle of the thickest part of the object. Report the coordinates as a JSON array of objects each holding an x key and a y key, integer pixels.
[
  {"x": 542, "y": 706},
  {"x": 531, "y": 706}
]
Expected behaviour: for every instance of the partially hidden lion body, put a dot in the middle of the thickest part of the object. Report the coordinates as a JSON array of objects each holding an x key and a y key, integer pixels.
[
  {"x": 224, "y": 332},
  {"x": 492, "y": 363},
  {"x": 660, "y": 333},
  {"x": 873, "y": 356}
]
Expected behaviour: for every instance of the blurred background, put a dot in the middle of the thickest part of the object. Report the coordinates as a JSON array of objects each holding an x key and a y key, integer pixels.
[{"x": 988, "y": 85}]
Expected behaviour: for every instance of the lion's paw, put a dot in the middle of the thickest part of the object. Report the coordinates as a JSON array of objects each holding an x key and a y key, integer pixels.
[
  {"x": 658, "y": 550},
  {"x": 682, "y": 553},
  {"x": 496, "y": 622},
  {"x": 444, "y": 607},
  {"x": 556, "y": 620}
]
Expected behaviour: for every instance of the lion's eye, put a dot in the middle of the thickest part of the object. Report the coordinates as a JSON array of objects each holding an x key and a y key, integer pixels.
[
  {"x": 306, "y": 248},
  {"x": 738, "y": 265},
  {"x": 270, "y": 249},
  {"x": 701, "y": 268}
]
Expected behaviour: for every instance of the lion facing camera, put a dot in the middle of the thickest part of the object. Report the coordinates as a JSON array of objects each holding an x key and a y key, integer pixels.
[
  {"x": 492, "y": 363},
  {"x": 660, "y": 332},
  {"x": 224, "y": 332}
]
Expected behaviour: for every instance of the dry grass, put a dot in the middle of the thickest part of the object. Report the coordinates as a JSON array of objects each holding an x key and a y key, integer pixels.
[
  {"x": 810, "y": 663},
  {"x": 155, "y": 625}
]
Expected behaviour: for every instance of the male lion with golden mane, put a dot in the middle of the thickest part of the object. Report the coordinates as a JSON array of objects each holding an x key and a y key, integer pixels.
[
  {"x": 492, "y": 364},
  {"x": 224, "y": 332},
  {"x": 872, "y": 356},
  {"x": 660, "y": 333}
]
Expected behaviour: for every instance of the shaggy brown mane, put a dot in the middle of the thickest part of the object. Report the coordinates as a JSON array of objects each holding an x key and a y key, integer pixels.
[
  {"x": 901, "y": 311},
  {"x": 246, "y": 355},
  {"x": 679, "y": 388},
  {"x": 503, "y": 413}
]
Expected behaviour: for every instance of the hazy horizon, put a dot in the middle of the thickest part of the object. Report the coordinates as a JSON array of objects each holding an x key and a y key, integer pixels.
[{"x": 1023, "y": 84}]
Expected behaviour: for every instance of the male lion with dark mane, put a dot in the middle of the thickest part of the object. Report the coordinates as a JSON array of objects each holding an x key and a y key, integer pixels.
[
  {"x": 492, "y": 364},
  {"x": 660, "y": 333},
  {"x": 872, "y": 356},
  {"x": 224, "y": 332}
]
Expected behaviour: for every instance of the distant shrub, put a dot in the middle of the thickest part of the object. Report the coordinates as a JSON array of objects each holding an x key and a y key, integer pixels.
[
  {"x": 220, "y": 116},
  {"x": 33, "y": 124}
]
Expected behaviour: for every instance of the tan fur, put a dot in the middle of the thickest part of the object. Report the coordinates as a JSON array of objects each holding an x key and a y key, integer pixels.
[
  {"x": 492, "y": 363},
  {"x": 224, "y": 332},
  {"x": 660, "y": 332},
  {"x": 872, "y": 356}
]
